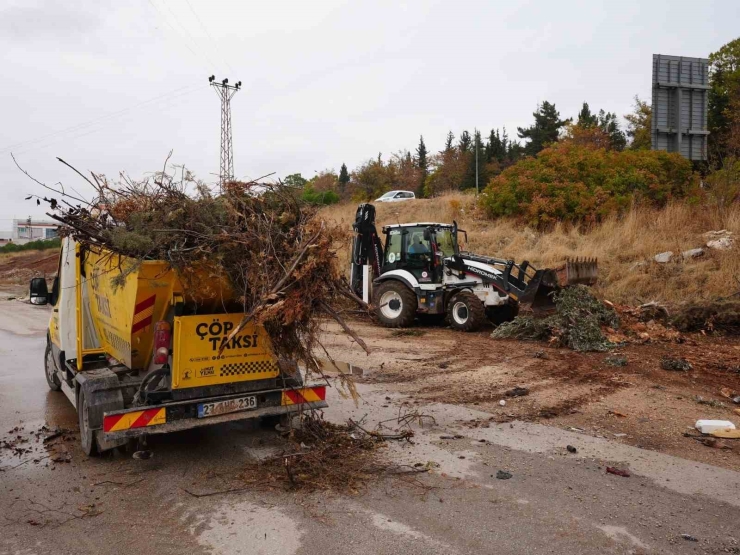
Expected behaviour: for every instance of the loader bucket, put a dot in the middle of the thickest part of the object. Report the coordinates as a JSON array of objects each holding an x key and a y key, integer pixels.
[
  {"x": 538, "y": 294},
  {"x": 539, "y": 291},
  {"x": 580, "y": 271}
]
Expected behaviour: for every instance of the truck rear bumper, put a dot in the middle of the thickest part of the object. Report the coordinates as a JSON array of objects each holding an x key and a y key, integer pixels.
[{"x": 183, "y": 415}]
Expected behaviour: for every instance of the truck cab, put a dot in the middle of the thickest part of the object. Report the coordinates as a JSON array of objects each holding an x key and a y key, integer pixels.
[{"x": 139, "y": 350}]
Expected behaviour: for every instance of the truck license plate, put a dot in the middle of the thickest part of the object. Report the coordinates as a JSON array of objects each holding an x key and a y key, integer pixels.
[{"x": 223, "y": 407}]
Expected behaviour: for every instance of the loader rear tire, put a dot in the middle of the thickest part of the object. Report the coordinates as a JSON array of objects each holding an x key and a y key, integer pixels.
[
  {"x": 465, "y": 312},
  {"x": 395, "y": 304}
]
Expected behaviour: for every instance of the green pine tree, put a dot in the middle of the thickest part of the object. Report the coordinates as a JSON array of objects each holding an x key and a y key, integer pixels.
[
  {"x": 343, "y": 178},
  {"x": 607, "y": 122},
  {"x": 423, "y": 164},
  {"x": 585, "y": 118},
  {"x": 505, "y": 146},
  {"x": 448, "y": 142},
  {"x": 465, "y": 142},
  {"x": 545, "y": 130}
]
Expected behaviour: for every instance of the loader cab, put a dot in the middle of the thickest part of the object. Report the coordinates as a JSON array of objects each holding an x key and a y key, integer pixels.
[{"x": 419, "y": 248}]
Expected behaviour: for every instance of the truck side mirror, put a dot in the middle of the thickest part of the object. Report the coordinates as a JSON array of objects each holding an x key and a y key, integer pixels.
[
  {"x": 39, "y": 293},
  {"x": 427, "y": 234}
]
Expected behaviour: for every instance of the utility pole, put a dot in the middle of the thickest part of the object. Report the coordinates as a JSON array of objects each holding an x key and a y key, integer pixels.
[
  {"x": 476, "y": 161},
  {"x": 225, "y": 92}
]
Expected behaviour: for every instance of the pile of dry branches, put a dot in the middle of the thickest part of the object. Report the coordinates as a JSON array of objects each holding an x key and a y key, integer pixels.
[
  {"x": 277, "y": 258},
  {"x": 321, "y": 456},
  {"x": 324, "y": 456}
]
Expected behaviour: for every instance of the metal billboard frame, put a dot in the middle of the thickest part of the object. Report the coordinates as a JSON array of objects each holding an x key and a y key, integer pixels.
[{"x": 680, "y": 91}]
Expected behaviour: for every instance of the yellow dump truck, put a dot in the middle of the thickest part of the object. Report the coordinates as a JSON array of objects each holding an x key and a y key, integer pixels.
[{"x": 140, "y": 349}]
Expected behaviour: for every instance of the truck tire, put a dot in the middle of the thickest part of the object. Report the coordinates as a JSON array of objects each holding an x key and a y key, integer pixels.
[
  {"x": 395, "y": 304},
  {"x": 87, "y": 435},
  {"x": 465, "y": 312},
  {"x": 50, "y": 370},
  {"x": 503, "y": 313}
]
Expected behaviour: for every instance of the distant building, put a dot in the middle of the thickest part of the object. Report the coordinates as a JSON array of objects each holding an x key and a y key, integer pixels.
[{"x": 32, "y": 230}]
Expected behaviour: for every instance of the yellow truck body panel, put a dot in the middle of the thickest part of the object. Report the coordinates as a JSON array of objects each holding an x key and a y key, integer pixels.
[
  {"x": 127, "y": 298},
  {"x": 196, "y": 361}
]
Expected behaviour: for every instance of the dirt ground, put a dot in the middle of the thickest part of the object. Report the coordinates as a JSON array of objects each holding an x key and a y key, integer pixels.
[
  {"x": 639, "y": 404},
  {"x": 17, "y": 269}
]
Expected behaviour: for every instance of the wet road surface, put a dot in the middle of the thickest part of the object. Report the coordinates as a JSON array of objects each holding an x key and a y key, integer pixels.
[{"x": 555, "y": 501}]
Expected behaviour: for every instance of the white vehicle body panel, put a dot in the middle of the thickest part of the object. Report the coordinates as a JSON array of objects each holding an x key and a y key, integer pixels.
[
  {"x": 404, "y": 274},
  {"x": 68, "y": 299},
  {"x": 483, "y": 266},
  {"x": 488, "y": 294}
]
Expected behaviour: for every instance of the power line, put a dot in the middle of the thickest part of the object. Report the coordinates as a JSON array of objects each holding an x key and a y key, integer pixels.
[
  {"x": 79, "y": 126},
  {"x": 185, "y": 44},
  {"x": 205, "y": 30},
  {"x": 185, "y": 31}
]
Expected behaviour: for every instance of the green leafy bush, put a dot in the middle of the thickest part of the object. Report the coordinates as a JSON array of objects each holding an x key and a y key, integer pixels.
[
  {"x": 319, "y": 197},
  {"x": 38, "y": 245},
  {"x": 579, "y": 183}
]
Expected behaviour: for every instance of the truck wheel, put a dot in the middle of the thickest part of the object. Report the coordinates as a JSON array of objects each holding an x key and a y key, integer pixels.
[
  {"x": 50, "y": 370},
  {"x": 87, "y": 436},
  {"x": 395, "y": 304},
  {"x": 503, "y": 313},
  {"x": 465, "y": 312}
]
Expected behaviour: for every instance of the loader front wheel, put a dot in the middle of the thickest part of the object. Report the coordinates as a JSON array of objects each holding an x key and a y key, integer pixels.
[
  {"x": 466, "y": 312},
  {"x": 395, "y": 304}
]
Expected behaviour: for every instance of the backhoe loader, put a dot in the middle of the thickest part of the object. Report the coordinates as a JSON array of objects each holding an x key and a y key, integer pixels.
[{"x": 421, "y": 269}]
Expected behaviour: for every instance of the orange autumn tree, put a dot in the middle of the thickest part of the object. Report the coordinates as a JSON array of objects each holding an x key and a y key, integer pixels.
[{"x": 579, "y": 181}]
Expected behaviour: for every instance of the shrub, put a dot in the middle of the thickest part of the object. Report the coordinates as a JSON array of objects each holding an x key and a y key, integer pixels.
[
  {"x": 312, "y": 196},
  {"x": 39, "y": 245},
  {"x": 579, "y": 183}
]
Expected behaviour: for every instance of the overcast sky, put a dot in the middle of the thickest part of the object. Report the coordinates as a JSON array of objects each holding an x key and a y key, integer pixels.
[{"x": 112, "y": 86}]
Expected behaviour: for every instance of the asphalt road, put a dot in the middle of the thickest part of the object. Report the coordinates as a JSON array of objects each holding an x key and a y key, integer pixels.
[{"x": 555, "y": 501}]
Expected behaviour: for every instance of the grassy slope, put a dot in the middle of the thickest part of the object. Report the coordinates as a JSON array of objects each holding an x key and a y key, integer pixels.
[{"x": 618, "y": 244}]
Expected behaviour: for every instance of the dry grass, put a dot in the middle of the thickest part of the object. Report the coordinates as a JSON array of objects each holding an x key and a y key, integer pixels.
[{"x": 618, "y": 243}]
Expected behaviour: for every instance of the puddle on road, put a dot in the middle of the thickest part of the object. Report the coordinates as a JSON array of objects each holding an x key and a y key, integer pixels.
[
  {"x": 32, "y": 443},
  {"x": 249, "y": 529},
  {"x": 23, "y": 445}
]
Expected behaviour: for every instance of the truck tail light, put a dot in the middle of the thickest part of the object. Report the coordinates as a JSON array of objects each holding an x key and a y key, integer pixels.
[{"x": 162, "y": 338}]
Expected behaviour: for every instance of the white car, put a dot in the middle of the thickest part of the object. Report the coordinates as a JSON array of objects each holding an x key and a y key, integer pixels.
[{"x": 395, "y": 196}]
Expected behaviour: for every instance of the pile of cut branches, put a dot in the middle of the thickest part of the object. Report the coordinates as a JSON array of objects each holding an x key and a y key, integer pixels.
[
  {"x": 278, "y": 260},
  {"x": 322, "y": 456},
  {"x": 577, "y": 322}
]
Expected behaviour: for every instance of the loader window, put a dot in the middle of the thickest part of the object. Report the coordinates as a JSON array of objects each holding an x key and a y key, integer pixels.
[
  {"x": 445, "y": 242},
  {"x": 393, "y": 247}
]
